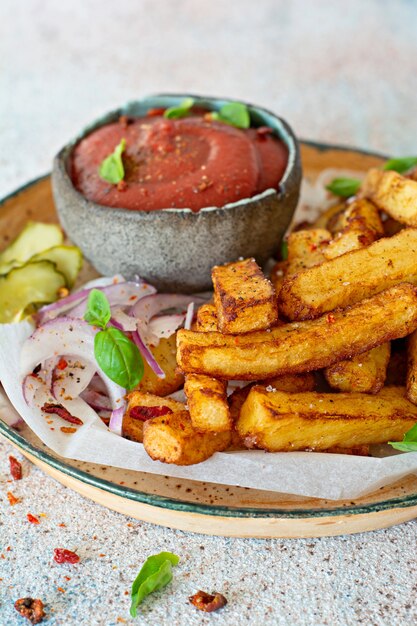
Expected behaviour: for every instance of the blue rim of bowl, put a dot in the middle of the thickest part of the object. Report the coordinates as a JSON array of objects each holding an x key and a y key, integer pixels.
[{"x": 176, "y": 504}]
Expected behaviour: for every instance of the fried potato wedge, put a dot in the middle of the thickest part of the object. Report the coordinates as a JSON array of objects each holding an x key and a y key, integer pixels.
[
  {"x": 245, "y": 299},
  {"x": 412, "y": 368},
  {"x": 301, "y": 346},
  {"x": 393, "y": 193},
  {"x": 348, "y": 279},
  {"x": 278, "y": 421},
  {"x": 206, "y": 319},
  {"x": 207, "y": 403},
  {"x": 140, "y": 408},
  {"x": 173, "y": 439},
  {"x": 165, "y": 354},
  {"x": 362, "y": 227},
  {"x": 364, "y": 373}
]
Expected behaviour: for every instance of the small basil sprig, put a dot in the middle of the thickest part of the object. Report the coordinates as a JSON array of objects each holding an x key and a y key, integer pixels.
[
  {"x": 111, "y": 169},
  {"x": 409, "y": 442},
  {"x": 284, "y": 249},
  {"x": 117, "y": 355},
  {"x": 155, "y": 574},
  {"x": 182, "y": 110},
  {"x": 400, "y": 165},
  {"x": 344, "y": 187},
  {"x": 233, "y": 113}
]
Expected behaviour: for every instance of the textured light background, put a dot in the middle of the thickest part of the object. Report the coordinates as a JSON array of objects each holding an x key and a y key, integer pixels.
[{"x": 342, "y": 72}]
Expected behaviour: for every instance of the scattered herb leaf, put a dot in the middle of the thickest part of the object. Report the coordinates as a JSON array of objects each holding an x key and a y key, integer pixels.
[
  {"x": 111, "y": 169},
  {"x": 155, "y": 574},
  {"x": 344, "y": 187},
  {"x": 118, "y": 357},
  {"x": 233, "y": 113},
  {"x": 182, "y": 110},
  {"x": 98, "y": 311},
  {"x": 409, "y": 442},
  {"x": 400, "y": 165}
]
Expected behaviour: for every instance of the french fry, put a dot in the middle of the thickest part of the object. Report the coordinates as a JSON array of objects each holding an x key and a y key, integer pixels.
[
  {"x": 207, "y": 403},
  {"x": 278, "y": 421},
  {"x": 330, "y": 219},
  {"x": 306, "y": 248},
  {"x": 164, "y": 354},
  {"x": 362, "y": 227},
  {"x": 173, "y": 439},
  {"x": 245, "y": 300},
  {"x": 301, "y": 346},
  {"x": 137, "y": 412},
  {"x": 393, "y": 193},
  {"x": 412, "y": 368},
  {"x": 206, "y": 319},
  {"x": 363, "y": 373},
  {"x": 292, "y": 383},
  {"x": 348, "y": 279}
]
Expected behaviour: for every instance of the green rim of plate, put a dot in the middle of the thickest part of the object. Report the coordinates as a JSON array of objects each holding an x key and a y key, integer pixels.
[{"x": 189, "y": 507}]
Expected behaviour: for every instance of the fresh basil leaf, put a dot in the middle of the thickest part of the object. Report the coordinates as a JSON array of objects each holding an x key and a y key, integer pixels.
[
  {"x": 400, "y": 165},
  {"x": 118, "y": 357},
  {"x": 344, "y": 187},
  {"x": 409, "y": 442},
  {"x": 182, "y": 110},
  {"x": 155, "y": 574},
  {"x": 233, "y": 113},
  {"x": 284, "y": 250},
  {"x": 111, "y": 169},
  {"x": 98, "y": 311}
]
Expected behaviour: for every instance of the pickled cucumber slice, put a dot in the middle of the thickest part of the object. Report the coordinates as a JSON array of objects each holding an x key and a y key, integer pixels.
[
  {"x": 68, "y": 261},
  {"x": 34, "y": 238},
  {"x": 30, "y": 285}
]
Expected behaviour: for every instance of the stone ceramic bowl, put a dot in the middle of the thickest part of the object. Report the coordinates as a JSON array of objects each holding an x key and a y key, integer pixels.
[{"x": 175, "y": 249}]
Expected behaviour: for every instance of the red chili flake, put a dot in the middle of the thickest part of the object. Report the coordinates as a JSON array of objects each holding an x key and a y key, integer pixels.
[
  {"x": 62, "y": 364},
  {"x": 68, "y": 430},
  {"x": 313, "y": 247},
  {"x": 65, "y": 556},
  {"x": 15, "y": 468},
  {"x": 67, "y": 577},
  {"x": 155, "y": 112},
  {"x": 31, "y": 609},
  {"x": 12, "y": 498},
  {"x": 8, "y": 549},
  {"x": 62, "y": 525},
  {"x": 147, "y": 412},
  {"x": 58, "y": 409},
  {"x": 331, "y": 318},
  {"x": 32, "y": 519},
  {"x": 207, "y": 602},
  {"x": 61, "y": 590}
]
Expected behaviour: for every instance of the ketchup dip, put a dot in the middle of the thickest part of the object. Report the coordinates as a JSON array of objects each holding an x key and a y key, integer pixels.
[{"x": 192, "y": 163}]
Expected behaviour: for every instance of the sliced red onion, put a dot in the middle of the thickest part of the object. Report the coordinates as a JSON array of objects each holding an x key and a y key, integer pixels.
[
  {"x": 116, "y": 419},
  {"x": 97, "y": 401},
  {"x": 147, "y": 354},
  {"x": 71, "y": 381},
  {"x": 120, "y": 295},
  {"x": 164, "y": 326},
  {"x": 65, "y": 336},
  {"x": 190, "y": 316}
]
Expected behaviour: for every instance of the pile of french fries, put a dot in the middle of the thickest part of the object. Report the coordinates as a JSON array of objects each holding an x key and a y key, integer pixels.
[{"x": 320, "y": 345}]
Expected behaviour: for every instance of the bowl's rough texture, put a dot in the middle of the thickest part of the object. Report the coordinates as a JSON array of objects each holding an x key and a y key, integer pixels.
[{"x": 175, "y": 249}]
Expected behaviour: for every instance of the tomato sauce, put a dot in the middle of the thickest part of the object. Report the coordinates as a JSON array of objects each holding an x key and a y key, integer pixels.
[{"x": 183, "y": 163}]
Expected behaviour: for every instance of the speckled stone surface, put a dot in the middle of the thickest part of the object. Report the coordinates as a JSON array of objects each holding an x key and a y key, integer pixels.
[{"x": 337, "y": 73}]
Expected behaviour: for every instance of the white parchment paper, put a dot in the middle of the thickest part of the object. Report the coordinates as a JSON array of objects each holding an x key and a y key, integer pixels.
[{"x": 331, "y": 476}]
